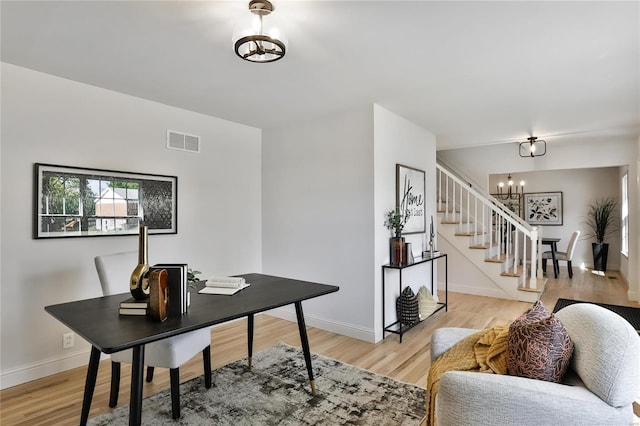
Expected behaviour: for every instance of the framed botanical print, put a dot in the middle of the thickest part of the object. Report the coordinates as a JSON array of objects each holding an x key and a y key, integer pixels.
[
  {"x": 543, "y": 208},
  {"x": 410, "y": 197}
]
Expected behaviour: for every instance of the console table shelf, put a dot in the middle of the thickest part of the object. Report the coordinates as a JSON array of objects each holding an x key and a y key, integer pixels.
[{"x": 396, "y": 327}]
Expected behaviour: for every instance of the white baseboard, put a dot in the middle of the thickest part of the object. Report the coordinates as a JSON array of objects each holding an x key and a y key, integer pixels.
[
  {"x": 349, "y": 330},
  {"x": 37, "y": 370},
  {"x": 80, "y": 358}
]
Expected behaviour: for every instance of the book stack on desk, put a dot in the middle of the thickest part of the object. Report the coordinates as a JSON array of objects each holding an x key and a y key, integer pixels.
[
  {"x": 224, "y": 285},
  {"x": 132, "y": 306},
  {"x": 179, "y": 298}
]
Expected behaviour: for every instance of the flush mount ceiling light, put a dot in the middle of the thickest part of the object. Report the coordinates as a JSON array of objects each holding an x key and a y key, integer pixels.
[
  {"x": 256, "y": 43},
  {"x": 533, "y": 148}
]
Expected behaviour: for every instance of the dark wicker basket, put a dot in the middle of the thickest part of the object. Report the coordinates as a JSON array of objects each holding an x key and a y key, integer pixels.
[{"x": 407, "y": 307}]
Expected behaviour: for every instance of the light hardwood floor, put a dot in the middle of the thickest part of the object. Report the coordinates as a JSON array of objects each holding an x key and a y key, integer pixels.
[{"x": 56, "y": 400}]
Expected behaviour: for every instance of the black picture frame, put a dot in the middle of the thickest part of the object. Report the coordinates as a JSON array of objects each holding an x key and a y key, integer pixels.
[
  {"x": 543, "y": 208},
  {"x": 410, "y": 196},
  {"x": 71, "y": 202}
]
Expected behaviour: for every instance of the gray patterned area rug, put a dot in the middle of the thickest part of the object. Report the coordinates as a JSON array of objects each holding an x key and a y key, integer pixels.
[{"x": 276, "y": 391}]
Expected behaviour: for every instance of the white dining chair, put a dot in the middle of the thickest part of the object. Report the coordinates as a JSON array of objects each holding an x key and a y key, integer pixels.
[
  {"x": 114, "y": 272},
  {"x": 566, "y": 256}
]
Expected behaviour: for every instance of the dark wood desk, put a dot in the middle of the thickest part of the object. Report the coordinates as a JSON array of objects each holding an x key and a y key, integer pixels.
[
  {"x": 553, "y": 242},
  {"x": 97, "y": 321}
]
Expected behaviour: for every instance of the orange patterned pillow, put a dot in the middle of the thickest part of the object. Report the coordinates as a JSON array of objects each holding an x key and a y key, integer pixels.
[{"x": 539, "y": 346}]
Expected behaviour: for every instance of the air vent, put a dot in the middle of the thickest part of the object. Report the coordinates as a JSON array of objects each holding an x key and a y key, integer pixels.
[{"x": 183, "y": 141}]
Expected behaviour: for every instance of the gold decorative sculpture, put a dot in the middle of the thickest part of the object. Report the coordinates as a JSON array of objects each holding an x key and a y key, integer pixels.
[
  {"x": 158, "y": 294},
  {"x": 139, "y": 283}
]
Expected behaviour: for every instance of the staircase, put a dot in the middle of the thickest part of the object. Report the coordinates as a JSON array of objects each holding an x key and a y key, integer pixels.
[{"x": 494, "y": 239}]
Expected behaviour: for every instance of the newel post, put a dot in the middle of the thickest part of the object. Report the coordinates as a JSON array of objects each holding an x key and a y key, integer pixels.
[{"x": 536, "y": 254}]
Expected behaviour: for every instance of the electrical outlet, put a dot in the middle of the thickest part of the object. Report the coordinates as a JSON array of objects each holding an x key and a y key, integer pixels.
[{"x": 67, "y": 341}]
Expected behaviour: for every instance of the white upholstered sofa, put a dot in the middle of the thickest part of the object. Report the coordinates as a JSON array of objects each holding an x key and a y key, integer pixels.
[{"x": 602, "y": 382}]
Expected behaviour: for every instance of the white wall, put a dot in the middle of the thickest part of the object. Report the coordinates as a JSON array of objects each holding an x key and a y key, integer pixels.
[
  {"x": 634, "y": 226},
  {"x": 468, "y": 279},
  {"x": 579, "y": 187},
  {"x": 52, "y": 120},
  {"x": 624, "y": 259},
  {"x": 399, "y": 141},
  {"x": 318, "y": 215},
  {"x": 594, "y": 152},
  {"x": 327, "y": 185}
]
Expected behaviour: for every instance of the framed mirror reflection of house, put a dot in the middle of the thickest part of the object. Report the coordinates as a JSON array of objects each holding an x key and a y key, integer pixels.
[{"x": 81, "y": 202}]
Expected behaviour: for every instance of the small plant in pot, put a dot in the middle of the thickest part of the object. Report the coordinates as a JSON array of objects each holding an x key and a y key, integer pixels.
[
  {"x": 192, "y": 278},
  {"x": 601, "y": 222},
  {"x": 395, "y": 223}
]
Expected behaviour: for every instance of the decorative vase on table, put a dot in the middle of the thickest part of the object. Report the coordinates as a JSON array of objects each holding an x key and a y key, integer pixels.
[
  {"x": 398, "y": 252},
  {"x": 139, "y": 283},
  {"x": 395, "y": 223}
]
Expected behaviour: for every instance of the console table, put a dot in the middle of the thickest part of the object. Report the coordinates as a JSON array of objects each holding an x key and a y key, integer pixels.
[{"x": 397, "y": 327}]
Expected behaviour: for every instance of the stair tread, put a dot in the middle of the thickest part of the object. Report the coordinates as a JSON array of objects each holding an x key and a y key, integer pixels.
[
  {"x": 538, "y": 288},
  {"x": 516, "y": 271},
  {"x": 482, "y": 246},
  {"x": 468, "y": 234},
  {"x": 498, "y": 259}
]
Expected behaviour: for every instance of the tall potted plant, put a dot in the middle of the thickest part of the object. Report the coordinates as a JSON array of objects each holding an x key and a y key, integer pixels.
[
  {"x": 395, "y": 223},
  {"x": 601, "y": 221}
]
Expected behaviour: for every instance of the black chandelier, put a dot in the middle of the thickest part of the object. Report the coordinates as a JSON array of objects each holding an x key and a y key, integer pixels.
[
  {"x": 511, "y": 191},
  {"x": 257, "y": 44},
  {"x": 533, "y": 148}
]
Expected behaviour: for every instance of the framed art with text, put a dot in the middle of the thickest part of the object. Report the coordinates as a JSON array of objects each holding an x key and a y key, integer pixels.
[
  {"x": 81, "y": 202},
  {"x": 543, "y": 208},
  {"x": 410, "y": 197}
]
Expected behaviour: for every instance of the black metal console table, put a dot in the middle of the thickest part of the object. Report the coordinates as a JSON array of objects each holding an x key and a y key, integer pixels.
[{"x": 397, "y": 327}]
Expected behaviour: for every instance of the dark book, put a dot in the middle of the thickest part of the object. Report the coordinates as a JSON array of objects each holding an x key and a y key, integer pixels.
[
  {"x": 135, "y": 304},
  {"x": 177, "y": 304},
  {"x": 133, "y": 311}
]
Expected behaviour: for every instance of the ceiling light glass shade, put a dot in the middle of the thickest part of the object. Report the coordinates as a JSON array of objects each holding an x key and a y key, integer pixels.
[
  {"x": 533, "y": 148},
  {"x": 257, "y": 39}
]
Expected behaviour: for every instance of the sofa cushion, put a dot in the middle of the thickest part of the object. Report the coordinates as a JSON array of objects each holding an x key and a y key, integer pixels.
[
  {"x": 443, "y": 339},
  {"x": 426, "y": 304},
  {"x": 539, "y": 346}
]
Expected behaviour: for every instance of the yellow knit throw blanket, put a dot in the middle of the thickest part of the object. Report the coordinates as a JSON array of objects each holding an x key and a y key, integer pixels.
[{"x": 484, "y": 352}]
